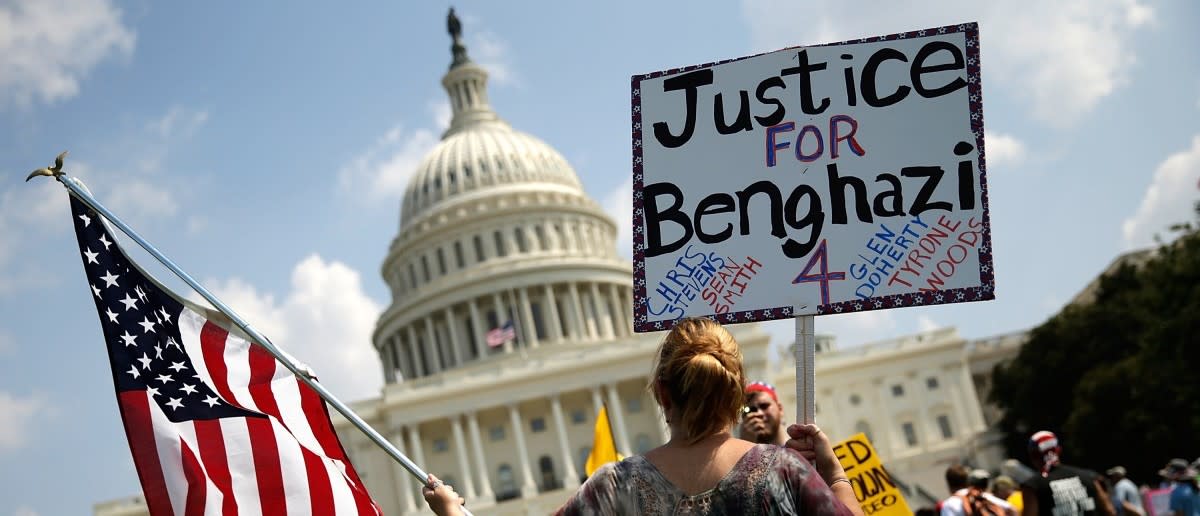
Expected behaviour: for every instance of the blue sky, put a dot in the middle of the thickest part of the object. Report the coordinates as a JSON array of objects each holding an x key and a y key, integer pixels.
[{"x": 264, "y": 148}]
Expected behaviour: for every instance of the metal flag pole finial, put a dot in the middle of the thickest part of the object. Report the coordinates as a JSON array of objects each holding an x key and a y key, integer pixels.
[
  {"x": 54, "y": 171},
  {"x": 76, "y": 188}
]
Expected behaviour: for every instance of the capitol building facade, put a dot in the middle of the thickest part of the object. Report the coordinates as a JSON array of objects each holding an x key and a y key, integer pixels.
[{"x": 495, "y": 227}]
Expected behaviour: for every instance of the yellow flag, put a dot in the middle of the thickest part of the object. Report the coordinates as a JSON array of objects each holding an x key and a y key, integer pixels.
[{"x": 604, "y": 450}]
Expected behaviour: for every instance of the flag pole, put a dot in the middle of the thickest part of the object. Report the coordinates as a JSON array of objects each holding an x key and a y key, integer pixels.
[{"x": 80, "y": 192}]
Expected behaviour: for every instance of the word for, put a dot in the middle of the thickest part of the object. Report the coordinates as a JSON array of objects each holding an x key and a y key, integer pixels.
[
  {"x": 812, "y": 132},
  {"x": 926, "y": 251},
  {"x": 730, "y": 283},
  {"x": 883, "y": 252},
  {"x": 868, "y": 86},
  {"x": 887, "y": 203},
  {"x": 678, "y": 289}
]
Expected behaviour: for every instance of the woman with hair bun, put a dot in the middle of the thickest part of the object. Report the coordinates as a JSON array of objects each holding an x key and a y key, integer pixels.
[{"x": 699, "y": 383}]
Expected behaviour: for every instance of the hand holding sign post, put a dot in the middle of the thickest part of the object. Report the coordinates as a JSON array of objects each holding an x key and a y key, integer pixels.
[{"x": 812, "y": 180}]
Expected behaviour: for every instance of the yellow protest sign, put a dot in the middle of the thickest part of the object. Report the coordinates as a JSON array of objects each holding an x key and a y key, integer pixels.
[{"x": 872, "y": 484}]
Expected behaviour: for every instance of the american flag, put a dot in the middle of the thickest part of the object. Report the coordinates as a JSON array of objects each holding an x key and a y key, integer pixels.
[
  {"x": 498, "y": 336},
  {"x": 215, "y": 425}
]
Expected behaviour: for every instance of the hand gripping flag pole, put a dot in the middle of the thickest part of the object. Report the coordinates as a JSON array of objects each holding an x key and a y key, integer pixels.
[{"x": 80, "y": 192}]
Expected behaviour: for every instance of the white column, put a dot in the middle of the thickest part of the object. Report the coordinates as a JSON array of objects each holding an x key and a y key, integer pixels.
[
  {"x": 528, "y": 487},
  {"x": 501, "y": 316},
  {"x": 620, "y": 316},
  {"x": 460, "y": 449},
  {"x": 583, "y": 324},
  {"x": 418, "y": 454},
  {"x": 401, "y": 478},
  {"x": 413, "y": 352},
  {"x": 526, "y": 312},
  {"x": 603, "y": 312},
  {"x": 431, "y": 347},
  {"x": 973, "y": 405},
  {"x": 387, "y": 356},
  {"x": 485, "y": 484},
  {"x": 477, "y": 322},
  {"x": 552, "y": 318},
  {"x": 570, "y": 479},
  {"x": 455, "y": 345},
  {"x": 617, "y": 413}
]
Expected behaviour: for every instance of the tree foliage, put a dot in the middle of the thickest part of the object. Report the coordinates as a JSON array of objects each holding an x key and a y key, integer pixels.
[{"x": 1117, "y": 378}]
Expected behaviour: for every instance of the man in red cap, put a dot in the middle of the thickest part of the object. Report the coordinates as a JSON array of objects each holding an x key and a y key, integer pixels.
[
  {"x": 1059, "y": 489},
  {"x": 762, "y": 417}
]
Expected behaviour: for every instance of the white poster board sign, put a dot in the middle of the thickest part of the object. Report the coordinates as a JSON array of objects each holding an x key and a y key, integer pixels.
[{"x": 833, "y": 178}]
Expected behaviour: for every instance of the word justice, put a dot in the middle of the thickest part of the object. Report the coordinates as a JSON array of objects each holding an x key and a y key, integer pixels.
[
  {"x": 802, "y": 209},
  {"x": 945, "y": 55}
]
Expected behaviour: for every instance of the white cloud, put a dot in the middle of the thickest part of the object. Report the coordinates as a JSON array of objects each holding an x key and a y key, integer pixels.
[
  {"x": 383, "y": 170},
  {"x": 178, "y": 121},
  {"x": 19, "y": 414},
  {"x": 1003, "y": 149},
  {"x": 136, "y": 199},
  {"x": 1168, "y": 200},
  {"x": 25, "y": 510},
  {"x": 1062, "y": 56},
  {"x": 851, "y": 330},
  {"x": 491, "y": 52},
  {"x": 48, "y": 46},
  {"x": 488, "y": 50},
  {"x": 325, "y": 321},
  {"x": 619, "y": 205},
  {"x": 925, "y": 323},
  {"x": 29, "y": 213},
  {"x": 440, "y": 109}
]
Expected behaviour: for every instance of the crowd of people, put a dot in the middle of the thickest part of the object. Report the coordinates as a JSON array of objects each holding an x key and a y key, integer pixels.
[
  {"x": 1054, "y": 488},
  {"x": 699, "y": 383}
]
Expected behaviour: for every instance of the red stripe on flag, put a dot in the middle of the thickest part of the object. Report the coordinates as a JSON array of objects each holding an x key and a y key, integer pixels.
[
  {"x": 139, "y": 429},
  {"x": 216, "y": 461},
  {"x": 266, "y": 467},
  {"x": 319, "y": 489},
  {"x": 212, "y": 344},
  {"x": 318, "y": 420},
  {"x": 262, "y": 369},
  {"x": 197, "y": 482}
]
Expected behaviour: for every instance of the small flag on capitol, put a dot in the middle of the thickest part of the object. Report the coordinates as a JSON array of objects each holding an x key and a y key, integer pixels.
[
  {"x": 215, "y": 424},
  {"x": 496, "y": 337}
]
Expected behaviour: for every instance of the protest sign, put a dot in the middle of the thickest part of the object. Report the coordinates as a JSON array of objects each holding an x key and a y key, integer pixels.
[
  {"x": 873, "y": 486},
  {"x": 832, "y": 178}
]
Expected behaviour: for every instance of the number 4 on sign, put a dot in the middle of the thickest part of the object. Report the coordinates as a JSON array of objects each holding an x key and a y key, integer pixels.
[{"x": 806, "y": 276}]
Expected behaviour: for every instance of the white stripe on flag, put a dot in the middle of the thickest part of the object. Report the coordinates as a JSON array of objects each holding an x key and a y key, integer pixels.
[
  {"x": 286, "y": 388},
  {"x": 295, "y": 476},
  {"x": 170, "y": 456},
  {"x": 212, "y": 495},
  {"x": 241, "y": 462}
]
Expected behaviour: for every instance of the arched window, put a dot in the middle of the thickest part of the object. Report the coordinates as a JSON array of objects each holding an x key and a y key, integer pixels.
[
  {"x": 506, "y": 483},
  {"x": 546, "y": 468}
]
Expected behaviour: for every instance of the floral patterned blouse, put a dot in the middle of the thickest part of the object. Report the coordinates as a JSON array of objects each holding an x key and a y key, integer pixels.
[{"x": 767, "y": 480}]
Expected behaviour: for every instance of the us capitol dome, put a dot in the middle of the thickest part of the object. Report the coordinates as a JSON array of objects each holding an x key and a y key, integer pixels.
[{"x": 495, "y": 227}]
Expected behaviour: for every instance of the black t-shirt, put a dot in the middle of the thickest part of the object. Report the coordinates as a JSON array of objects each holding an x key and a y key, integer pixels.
[{"x": 1066, "y": 491}]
